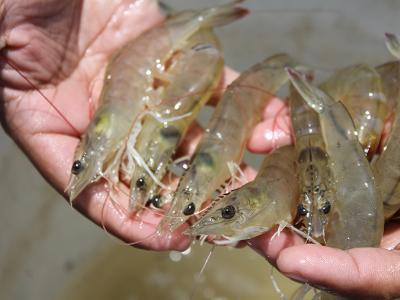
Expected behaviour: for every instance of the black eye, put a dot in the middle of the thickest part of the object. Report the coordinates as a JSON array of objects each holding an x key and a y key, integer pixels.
[
  {"x": 326, "y": 208},
  {"x": 189, "y": 209},
  {"x": 301, "y": 210},
  {"x": 228, "y": 212},
  {"x": 76, "y": 167},
  {"x": 156, "y": 201},
  {"x": 140, "y": 182}
]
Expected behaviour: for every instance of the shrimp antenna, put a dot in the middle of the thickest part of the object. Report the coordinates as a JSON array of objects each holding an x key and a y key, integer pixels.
[
  {"x": 198, "y": 277},
  {"x": 275, "y": 284}
]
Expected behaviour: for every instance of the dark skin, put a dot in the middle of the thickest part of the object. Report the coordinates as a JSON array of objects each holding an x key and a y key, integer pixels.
[{"x": 62, "y": 47}]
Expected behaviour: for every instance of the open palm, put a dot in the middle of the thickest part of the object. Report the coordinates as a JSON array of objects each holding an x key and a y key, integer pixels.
[{"x": 61, "y": 49}]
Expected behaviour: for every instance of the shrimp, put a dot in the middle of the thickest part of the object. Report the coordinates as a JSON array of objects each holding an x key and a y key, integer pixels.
[
  {"x": 386, "y": 167},
  {"x": 359, "y": 88},
  {"x": 317, "y": 189},
  {"x": 357, "y": 213},
  {"x": 226, "y": 136},
  {"x": 271, "y": 198},
  {"x": 197, "y": 73},
  {"x": 130, "y": 88}
]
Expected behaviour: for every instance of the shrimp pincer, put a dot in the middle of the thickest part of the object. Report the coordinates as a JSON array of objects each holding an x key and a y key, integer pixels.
[
  {"x": 359, "y": 88},
  {"x": 387, "y": 167},
  {"x": 131, "y": 87},
  {"x": 271, "y": 198},
  {"x": 316, "y": 184},
  {"x": 357, "y": 214},
  {"x": 226, "y": 136}
]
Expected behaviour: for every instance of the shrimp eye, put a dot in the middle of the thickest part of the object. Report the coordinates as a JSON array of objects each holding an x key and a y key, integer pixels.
[
  {"x": 189, "y": 209},
  {"x": 156, "y": 201},
  {"x": 140, "y": 182},
  {"x": 76, "y": 167},
  {"x": 228, "y": 212},
  {"x": 301, "y": 210},
  {"x": 326, "y": 208}
]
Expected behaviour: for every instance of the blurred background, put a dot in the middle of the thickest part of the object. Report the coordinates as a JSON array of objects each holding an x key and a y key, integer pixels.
[{"x": 49, "y": 251}]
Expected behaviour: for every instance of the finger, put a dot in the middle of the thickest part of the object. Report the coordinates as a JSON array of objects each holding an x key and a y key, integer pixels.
[
  {"x": 391, "y": 238},
  {"x": 270, "y": 248},
  {"x": 361, "y": 272},
  {"x": 190, "y": 141},
  {"x": 138, "y": 230},
  {"x": 271, "y": 133}
]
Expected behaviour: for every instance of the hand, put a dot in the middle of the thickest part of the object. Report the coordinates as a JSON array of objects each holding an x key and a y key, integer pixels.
[{"x": 61, "y": 49}]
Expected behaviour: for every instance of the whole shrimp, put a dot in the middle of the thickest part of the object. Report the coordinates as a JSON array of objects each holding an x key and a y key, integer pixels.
[
  {"x": 386, "y": 167},
  {"x": 359, "y": 88},
  {"x": 198, "y": 72},
  {"x": 316, "y": 184},
  {"x": 130, "y": 87},
  {"x": 357, "y": 214},
  {"x": 271, "y": 198},
  {"x": 226, "y": 136}
]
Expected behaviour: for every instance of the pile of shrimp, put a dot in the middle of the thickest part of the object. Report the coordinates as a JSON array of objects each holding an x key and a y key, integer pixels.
[{"x": 335, "y": 186}]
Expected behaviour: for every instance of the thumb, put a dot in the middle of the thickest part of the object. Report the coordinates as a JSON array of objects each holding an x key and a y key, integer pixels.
[{"x": 362, "y": 272}]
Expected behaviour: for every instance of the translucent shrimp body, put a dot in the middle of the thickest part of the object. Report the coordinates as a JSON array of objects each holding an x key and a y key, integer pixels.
[
  {"x": 359, "y": 88},
  {"x": 130, "y": 86},
  {"x": 226, "y": 136},
  {"x": 254, "y": 208},
  {"x": 196, "y": 74},
  {"x": 357, "y": 214},
  {"x": 386, "y": 167},
  {"x": 316, "y": 184}
]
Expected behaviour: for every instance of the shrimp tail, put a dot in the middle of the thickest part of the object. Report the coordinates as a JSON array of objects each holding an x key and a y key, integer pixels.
[
  {"x": 222, "y": 15},
  {"x": 210, "y": 17},
  {"x": 314, "y": 97},
  {"x": 393, "y": 44}
]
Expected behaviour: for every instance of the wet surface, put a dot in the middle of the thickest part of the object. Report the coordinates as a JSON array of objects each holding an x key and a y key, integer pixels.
[{"x": 49, "y": 251}]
